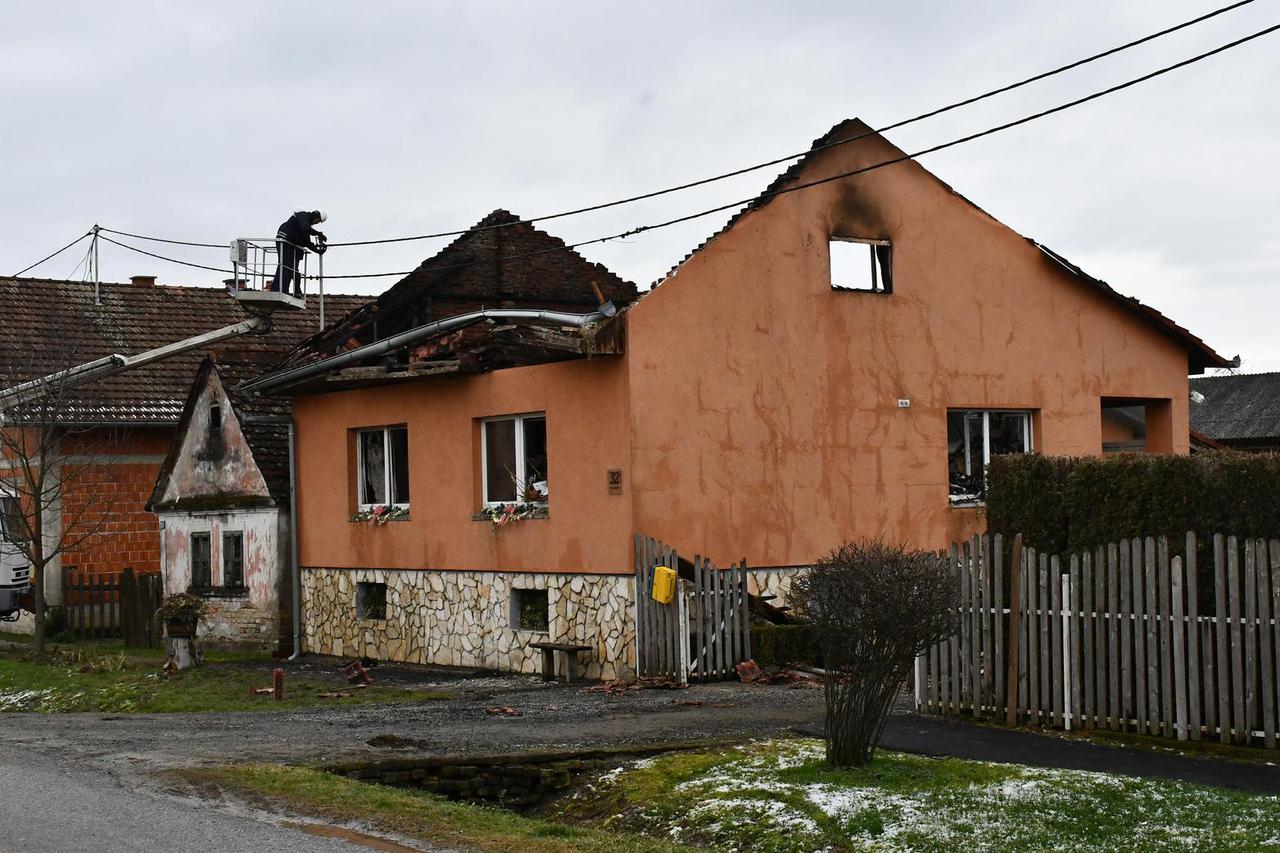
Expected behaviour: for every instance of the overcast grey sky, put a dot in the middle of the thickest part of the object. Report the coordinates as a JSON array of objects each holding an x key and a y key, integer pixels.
[{"x": 215, "y": 120}]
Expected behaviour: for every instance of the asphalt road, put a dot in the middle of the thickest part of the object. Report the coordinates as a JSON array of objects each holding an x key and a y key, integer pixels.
[
  {"x": 48, "y": 805},
  {"x": 87, "y": 781}
]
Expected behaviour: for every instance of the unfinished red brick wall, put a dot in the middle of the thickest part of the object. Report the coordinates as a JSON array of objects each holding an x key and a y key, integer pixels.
[{"x": 104, "y": 502}]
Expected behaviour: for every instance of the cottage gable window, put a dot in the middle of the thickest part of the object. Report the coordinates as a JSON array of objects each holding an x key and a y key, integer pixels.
[
  {"x": 383, "y": 466},
  {"x": 861, "y": 264},
  {"x": 973, "y": 437},
  {"x": 233, "y": 560},
  {"x": 201, "y": 561},
  {"x": 514, "y": 459}
]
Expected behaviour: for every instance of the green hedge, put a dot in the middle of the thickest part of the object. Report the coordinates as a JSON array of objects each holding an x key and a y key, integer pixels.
[
  {"x": 779, "y": 645},
  {"x": 1062, "y": 504}
]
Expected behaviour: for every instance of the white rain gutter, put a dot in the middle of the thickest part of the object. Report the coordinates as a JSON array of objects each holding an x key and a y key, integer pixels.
[{"x": 272, "y": 381}]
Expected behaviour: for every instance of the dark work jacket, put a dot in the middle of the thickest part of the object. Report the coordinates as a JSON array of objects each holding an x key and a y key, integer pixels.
[{"x": 297, "y": 229}]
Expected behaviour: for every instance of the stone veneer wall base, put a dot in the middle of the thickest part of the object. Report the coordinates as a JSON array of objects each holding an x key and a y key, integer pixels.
[{"x": 463, "y": 618}]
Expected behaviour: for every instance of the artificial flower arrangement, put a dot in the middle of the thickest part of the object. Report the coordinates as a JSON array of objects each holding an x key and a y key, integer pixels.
[
  {"x": 379, "y": 515},
  {"x": 503, "y": 514}
]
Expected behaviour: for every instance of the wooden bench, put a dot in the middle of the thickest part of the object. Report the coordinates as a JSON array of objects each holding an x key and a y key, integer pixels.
[{"x": 568, "y": 655}]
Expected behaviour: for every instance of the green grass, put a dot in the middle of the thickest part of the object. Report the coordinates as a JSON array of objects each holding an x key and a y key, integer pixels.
[
  {"x": 411, "y": 813},
  {"x": 780, "y": 796},
  {"x": 103, "y": 677}
]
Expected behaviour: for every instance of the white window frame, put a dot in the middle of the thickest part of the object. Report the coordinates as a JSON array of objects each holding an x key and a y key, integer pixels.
[
  {"x": 1028, "y": 439},
  {"x": 519, "y": 472},
  {"x": 387, "y": 479}
]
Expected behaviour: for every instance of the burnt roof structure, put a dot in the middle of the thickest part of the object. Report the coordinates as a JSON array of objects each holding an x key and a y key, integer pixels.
[
  {"x": 502, "y": 262},
  {"x": 50, "y": 325},
  {"x": 1238, "y": 410},
  {"x": 1199, "y": 354}
]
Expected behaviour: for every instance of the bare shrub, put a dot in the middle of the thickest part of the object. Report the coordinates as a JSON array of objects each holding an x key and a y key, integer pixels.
[{"x": 874, "y": 608}]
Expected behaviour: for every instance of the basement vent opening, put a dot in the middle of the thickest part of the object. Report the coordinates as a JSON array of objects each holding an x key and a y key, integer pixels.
[
  {"x": 371, "y": 601},
  {"x": 530, "y": 610},
  {"x": 861, "y": 264}
]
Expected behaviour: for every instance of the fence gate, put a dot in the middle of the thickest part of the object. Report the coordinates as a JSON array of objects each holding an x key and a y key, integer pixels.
[
  {"x": 98, "y": 605},
  {"x": 704, "y": 632}
]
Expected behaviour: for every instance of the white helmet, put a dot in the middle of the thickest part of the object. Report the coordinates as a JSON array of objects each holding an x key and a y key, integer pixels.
[{"x": 323, "y": 216}]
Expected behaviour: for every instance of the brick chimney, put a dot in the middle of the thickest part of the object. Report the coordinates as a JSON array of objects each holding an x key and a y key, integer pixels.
[{"x": 143, "y": 280}]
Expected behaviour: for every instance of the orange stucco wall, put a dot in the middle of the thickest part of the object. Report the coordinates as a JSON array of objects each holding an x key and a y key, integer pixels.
[
  {"x": 765, "y": 419},
  {"x": 587, "y": 434},
  {"x": 755, "y": 413}
]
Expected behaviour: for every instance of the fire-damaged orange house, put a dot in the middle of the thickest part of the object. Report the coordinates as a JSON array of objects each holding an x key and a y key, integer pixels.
[{"x": 840, "y": 360}]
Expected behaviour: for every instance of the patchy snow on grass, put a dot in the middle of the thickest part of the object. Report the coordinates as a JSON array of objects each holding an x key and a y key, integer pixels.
[
  {"x": 24, "y": 700},
  {"x": 780, "y": 796}
]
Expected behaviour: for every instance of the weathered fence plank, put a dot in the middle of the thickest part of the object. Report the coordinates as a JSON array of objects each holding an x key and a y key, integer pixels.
[
  {"x": 1124, "y": 628},
  {"x": 1179, "y": 651},
  {"x": 1193, "y": 640},
  {"x": 1055, "y": 638},
  {"x": 997, "y": 575},
  {"x": 1074, "y": 622},
  {"x": 1166, "y": 638},
  {"x": 1086, "y": 589},
  {"x": 1153, "y": 636},
  {"x": 1222, "y": 630},
  {"x": 1239, "y": 726},
  {"x": 1265, "y": 647}
]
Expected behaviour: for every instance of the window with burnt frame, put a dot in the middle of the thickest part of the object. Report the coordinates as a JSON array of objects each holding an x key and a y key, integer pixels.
[
  {"x": 233, "y": 560},
  {"x": 201, "y": 561},
  {"x": 861, "y": 264},
  {"x": 973, "y": 437}
]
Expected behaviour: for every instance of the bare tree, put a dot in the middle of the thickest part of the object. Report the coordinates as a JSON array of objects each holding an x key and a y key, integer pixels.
[
  {"x": 55, "y": 484},
  {"x": 874, "y": 608}
]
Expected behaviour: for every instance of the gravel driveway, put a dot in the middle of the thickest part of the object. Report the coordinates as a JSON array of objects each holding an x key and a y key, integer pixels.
[{"x": 551, "y": 715}]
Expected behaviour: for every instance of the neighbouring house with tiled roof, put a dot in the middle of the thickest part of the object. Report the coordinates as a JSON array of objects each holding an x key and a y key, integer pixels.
[
  {"x": 222, "y": 498},
  {"x": 839, "y": 362},
  {"x": 50, "y": 325},
  {"x": 1240, "y": 411}
]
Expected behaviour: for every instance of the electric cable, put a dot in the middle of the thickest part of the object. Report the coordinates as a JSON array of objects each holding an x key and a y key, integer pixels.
[
  {"x": 52, "y": 256},
  {"x": 769, "y": 195},
  {"x": 766, "y": 164}
]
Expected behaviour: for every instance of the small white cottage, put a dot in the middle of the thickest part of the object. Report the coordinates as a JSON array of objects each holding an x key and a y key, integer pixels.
[{"x": 223, "y": 503}]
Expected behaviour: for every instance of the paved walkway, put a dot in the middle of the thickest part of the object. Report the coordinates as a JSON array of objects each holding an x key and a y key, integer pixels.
[{"x": 939, "y": 736}]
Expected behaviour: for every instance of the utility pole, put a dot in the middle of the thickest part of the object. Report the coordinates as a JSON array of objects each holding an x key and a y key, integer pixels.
[{"x": 97, "y": 274}]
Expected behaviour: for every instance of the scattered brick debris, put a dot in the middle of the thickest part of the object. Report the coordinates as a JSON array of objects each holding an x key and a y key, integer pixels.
[
  {"x": 750, "y": 672},
  {"x": 502, "y": 711},
  {"x": 691, "y": 702},
  {"x": 356, "y": 673}
]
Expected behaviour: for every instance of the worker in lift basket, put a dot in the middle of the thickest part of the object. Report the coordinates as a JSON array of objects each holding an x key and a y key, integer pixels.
[{"x": 292, "y": 242}]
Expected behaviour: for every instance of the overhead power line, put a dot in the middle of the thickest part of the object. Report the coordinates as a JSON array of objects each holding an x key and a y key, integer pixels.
[
  {"x": 764, "y": 165},
  {"x": 768, "y": 195},
  {"x": 52, "y": 256},
  {"x": 163, "y": 257},
  {"x": 765, "y": 196}
]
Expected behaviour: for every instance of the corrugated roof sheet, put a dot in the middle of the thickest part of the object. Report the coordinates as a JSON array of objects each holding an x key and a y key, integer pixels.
[
  {"x": 1240, "y": 407},
  {"x": 49, "y": 325}
]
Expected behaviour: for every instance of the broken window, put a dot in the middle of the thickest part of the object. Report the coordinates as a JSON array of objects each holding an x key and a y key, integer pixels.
[
  {"x": 201, "y": 561},
  {"x": 371, "y": 600},
  {"x": 514, "y": 457},
  {"x": 530, "y": 610},
  {"x": 861, "y": 264},
  {"x": 383, "y": 466},
  {"x": 215, "y": 421},
  {"x": 973, "y": 437},
  {"x": 233, "y": 560}
]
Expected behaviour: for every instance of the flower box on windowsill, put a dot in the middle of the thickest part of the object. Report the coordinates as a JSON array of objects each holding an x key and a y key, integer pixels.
[
  {"x": 380, "y": 515},
  {"x": 500, "y": 515}
]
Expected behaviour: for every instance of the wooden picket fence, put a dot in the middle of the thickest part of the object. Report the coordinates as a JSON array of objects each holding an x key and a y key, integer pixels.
[
  {"x": 100, "y": 605},
  {"x": 704, "y": 632},
  {"x": 1114, "y": 638}
]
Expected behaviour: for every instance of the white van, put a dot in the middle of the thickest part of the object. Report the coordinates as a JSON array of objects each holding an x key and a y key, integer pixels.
[{"x": 15, "y": 571}]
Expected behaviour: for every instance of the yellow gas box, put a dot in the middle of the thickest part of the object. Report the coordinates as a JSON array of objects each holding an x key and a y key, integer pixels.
[{"x": 664, "y": 584}]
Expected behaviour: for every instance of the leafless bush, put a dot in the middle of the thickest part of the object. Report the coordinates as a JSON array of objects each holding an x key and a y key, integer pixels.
[{"x": 874, "y": 608}]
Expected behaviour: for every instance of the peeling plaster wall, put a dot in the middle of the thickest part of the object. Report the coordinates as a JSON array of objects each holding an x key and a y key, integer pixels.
[
  {"x": 213, "y": 466},
  {"x": 464, "y": 618},
  {"x": 251, "y": 617},
  {"x": 764, "y": 414}
]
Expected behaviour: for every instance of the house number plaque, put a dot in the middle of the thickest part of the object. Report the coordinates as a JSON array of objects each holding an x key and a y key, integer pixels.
[{"x": 615, "y": 481}]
